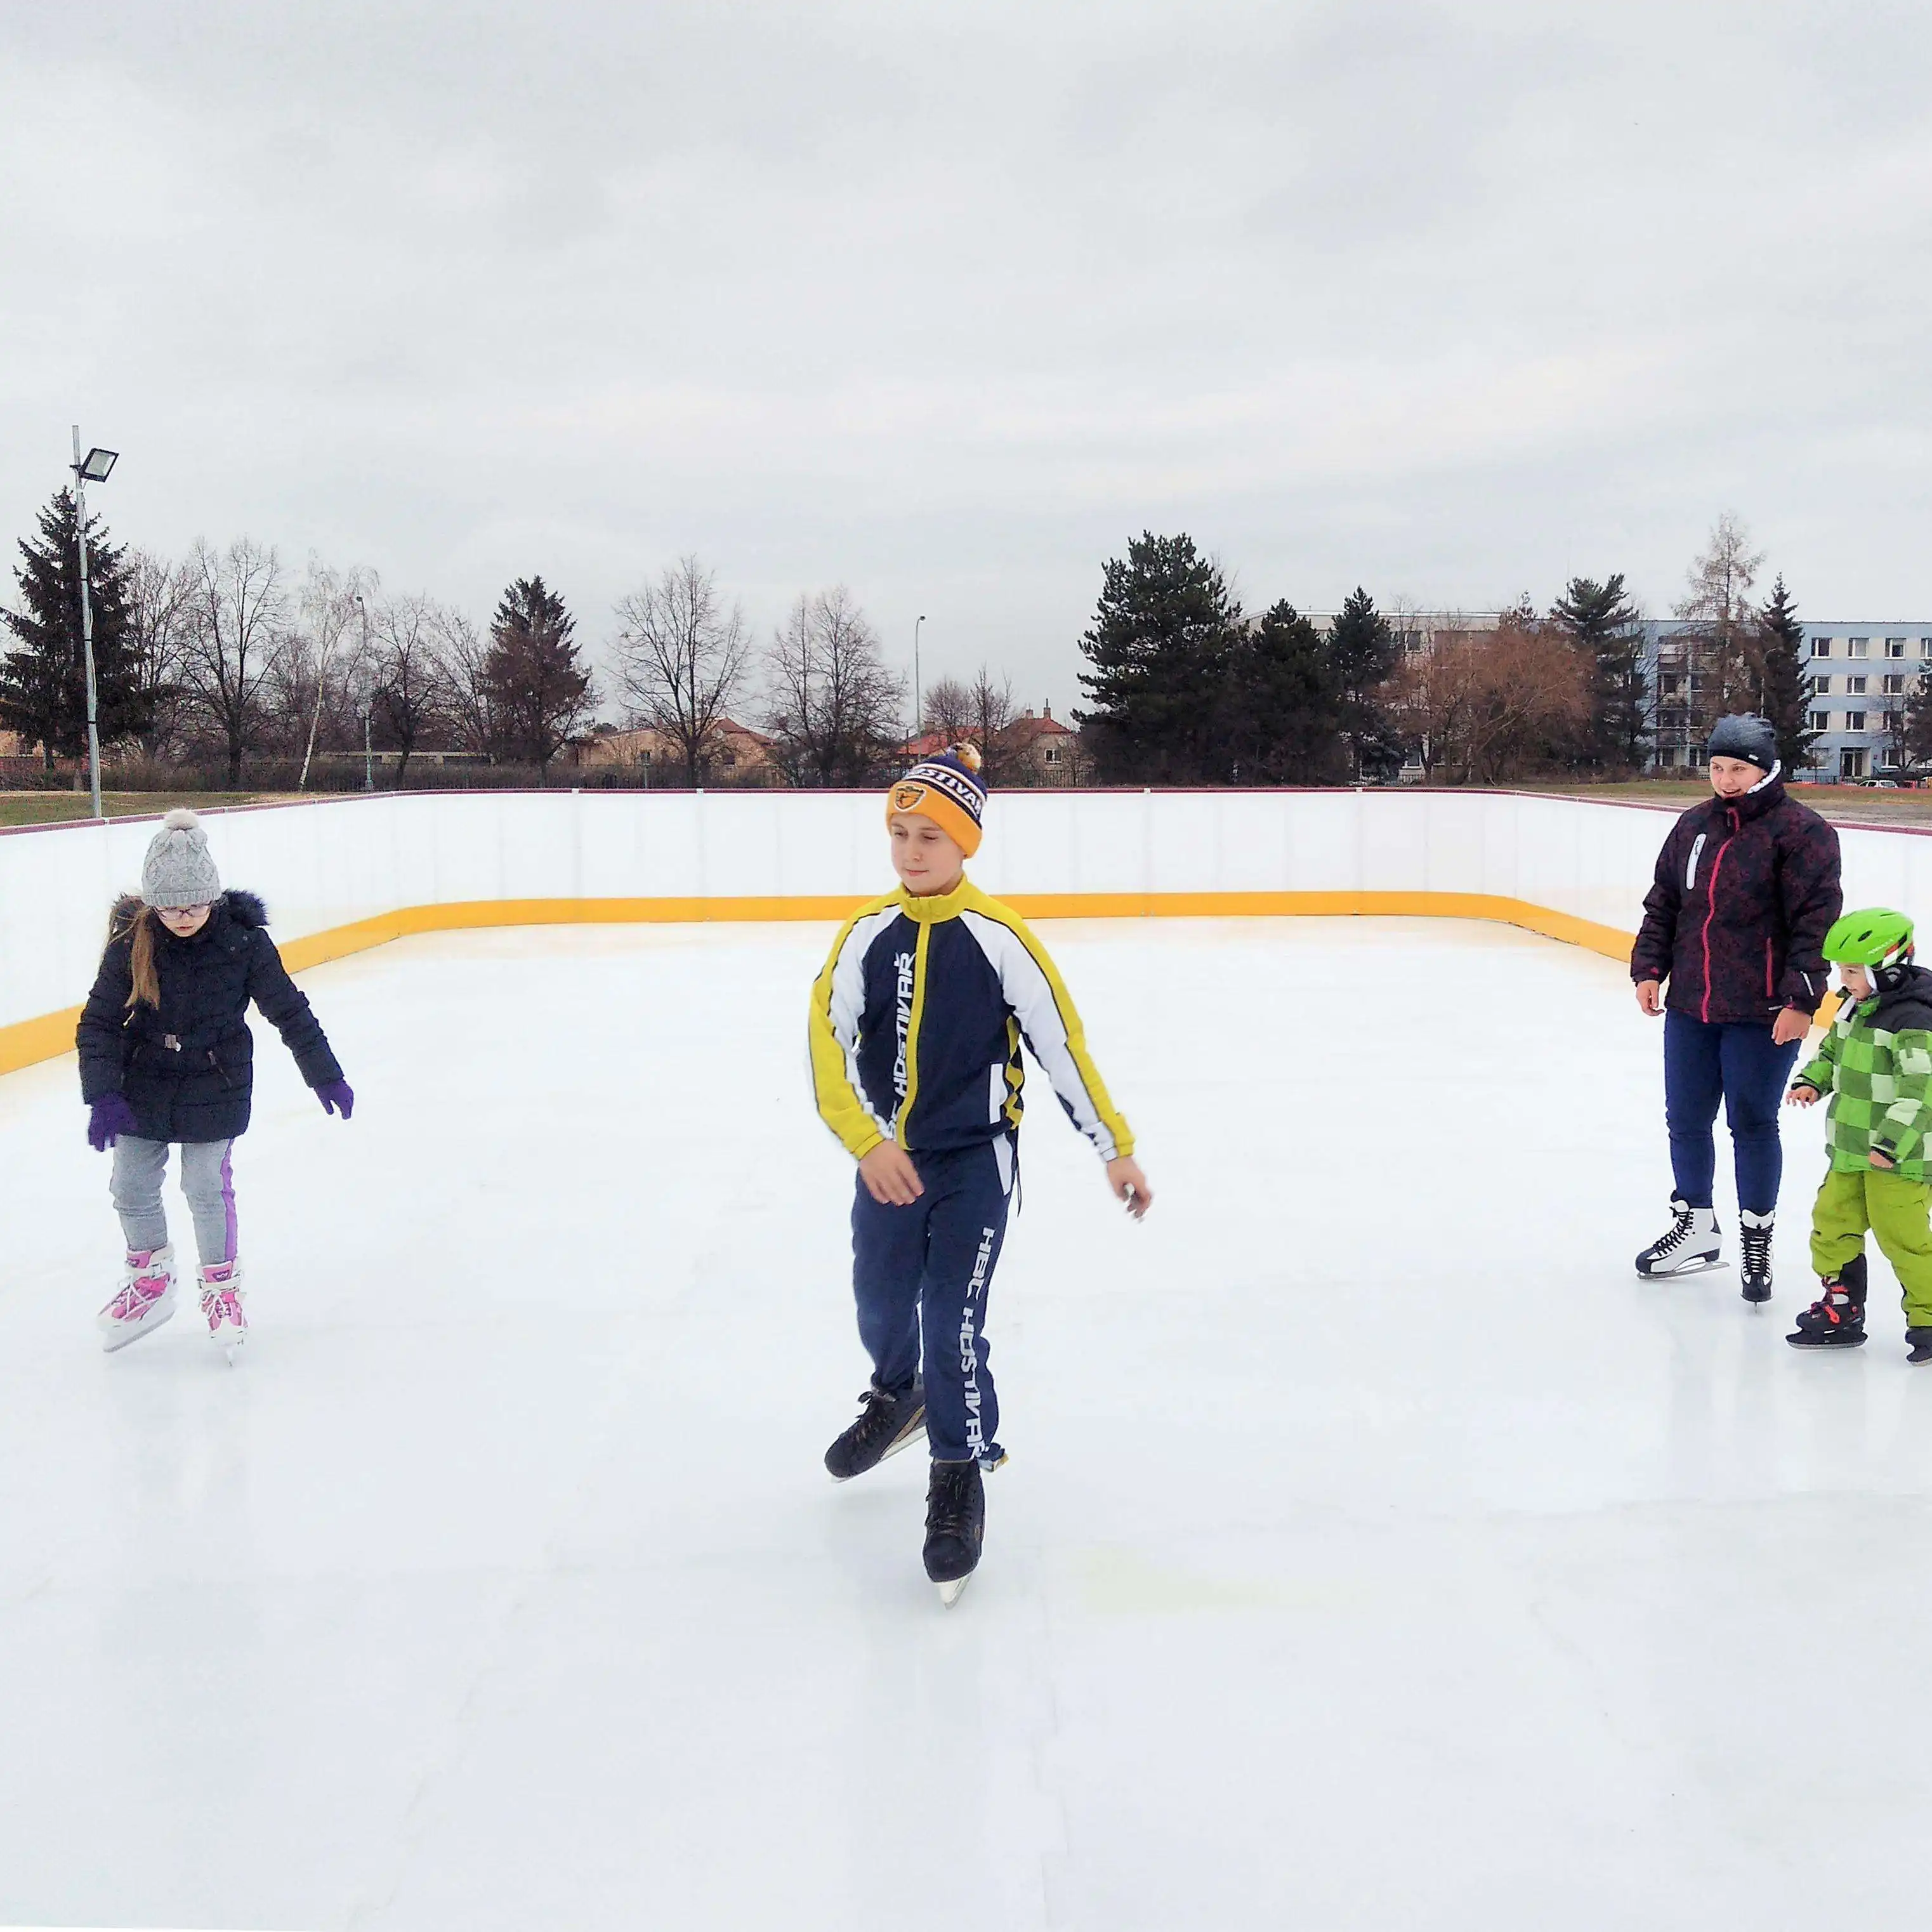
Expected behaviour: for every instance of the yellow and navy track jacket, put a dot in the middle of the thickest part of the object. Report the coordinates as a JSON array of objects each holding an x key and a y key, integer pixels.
[{"x": 917, "y": 1024}]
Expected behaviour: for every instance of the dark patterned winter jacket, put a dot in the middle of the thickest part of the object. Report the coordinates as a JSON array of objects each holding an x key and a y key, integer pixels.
[
  {"x": 188, "y": 1067},
  {"x": 1746, "y": 889}
]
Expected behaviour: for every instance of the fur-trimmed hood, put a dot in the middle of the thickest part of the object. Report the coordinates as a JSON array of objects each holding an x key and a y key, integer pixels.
[{"x": 244, "y": 908}]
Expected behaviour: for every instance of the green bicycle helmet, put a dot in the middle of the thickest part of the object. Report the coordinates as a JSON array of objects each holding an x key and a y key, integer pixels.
[{"x": 1877, "y": 936}]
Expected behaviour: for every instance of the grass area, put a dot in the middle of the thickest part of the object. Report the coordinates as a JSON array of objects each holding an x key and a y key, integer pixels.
[
  {"x": 56, "y": 808},
  {"x": 1842, "y": 804}
]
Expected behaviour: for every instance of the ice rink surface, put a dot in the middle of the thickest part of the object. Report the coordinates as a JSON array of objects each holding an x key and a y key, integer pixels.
[{"x": 1375, "y": 1552}]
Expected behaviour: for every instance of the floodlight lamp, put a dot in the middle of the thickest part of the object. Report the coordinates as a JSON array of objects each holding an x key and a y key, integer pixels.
[{"x": 98, "y": 464}]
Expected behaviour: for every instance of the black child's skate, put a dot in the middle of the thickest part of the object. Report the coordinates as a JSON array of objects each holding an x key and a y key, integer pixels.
[
  {"x": 1754, "y": 1233},
  {"x": 1836, "y": 1319},
  {"x": 886, "y": 1424},
  {"x": 955, "y": 1525},
  {"x": 1920, "y": 1342}
]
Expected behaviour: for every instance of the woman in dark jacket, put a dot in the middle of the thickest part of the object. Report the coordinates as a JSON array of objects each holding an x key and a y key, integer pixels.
[
  {"x": 1747, "y": 887},
  {"x": 166, "y": 1059}
]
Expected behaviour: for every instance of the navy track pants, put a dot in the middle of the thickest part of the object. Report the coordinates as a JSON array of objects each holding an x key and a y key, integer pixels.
[
  {"x": 922, "y": 1273},
  {"x": 1739, "y": 1063}
]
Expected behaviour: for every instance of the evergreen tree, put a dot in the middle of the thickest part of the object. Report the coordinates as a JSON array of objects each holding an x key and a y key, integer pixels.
[
  {"x": 1162, "y": 636},
  {"x": 1283, "y": 718},
  {"x": 1603, "y": 625},
  {"x": 1362, "y": 653},
  {"x": 1784, "y": 689},
  {"x": 538, "y": 687},
  {"x": 43, "y": 679}
]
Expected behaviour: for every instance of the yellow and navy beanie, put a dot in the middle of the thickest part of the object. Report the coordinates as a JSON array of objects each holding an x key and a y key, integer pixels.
[{"x": 945, "y": 788}]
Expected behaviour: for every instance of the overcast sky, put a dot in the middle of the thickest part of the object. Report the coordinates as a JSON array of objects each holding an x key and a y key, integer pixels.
[{"x": 949, "y": 302}]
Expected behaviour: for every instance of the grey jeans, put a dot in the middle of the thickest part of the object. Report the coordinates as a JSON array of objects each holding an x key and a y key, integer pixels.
[{"x": 206, "y": 1179}]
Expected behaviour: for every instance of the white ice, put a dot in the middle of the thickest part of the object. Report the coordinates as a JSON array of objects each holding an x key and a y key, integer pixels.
[{"x": 1375, "y": 1552}]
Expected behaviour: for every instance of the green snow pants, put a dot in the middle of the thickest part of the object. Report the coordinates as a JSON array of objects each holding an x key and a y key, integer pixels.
[{"x": 1896, "y": 1211}]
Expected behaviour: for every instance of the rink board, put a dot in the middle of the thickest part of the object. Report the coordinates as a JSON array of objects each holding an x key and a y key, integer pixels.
[{"x": 341, "y": 874}]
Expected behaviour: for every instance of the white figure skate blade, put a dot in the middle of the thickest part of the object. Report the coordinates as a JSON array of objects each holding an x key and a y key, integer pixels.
[
  {"x": 125, "y": 1338},
  {"x": 949, "y": 1593}
]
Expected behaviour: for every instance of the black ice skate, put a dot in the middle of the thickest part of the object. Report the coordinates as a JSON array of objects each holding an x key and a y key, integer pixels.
[
  {"x": 886, "y": 1424},
  {"x": 1920, "y": 1342},
  {"x": 1691, "y": 1243},
  {"x": 1754, "y": 1242},
  {"x": 956, "y": 1525},
  {"x": 1836, "y": 1319}
]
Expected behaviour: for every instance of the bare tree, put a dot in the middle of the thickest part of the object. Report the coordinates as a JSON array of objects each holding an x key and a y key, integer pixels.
[
  {"x": 682, "y": 659},
  {"x": 948, "y": 706},
  {"x": 409, "y": 693},
  {"x": 238, "y": 629},
  {"x": 833, "y": 708},
  {"x": 1484, "y": 706},
  {"x": 463, "y": 654},
  {"x": 331, "y": 605},
  {"x": 1726, "y": 664},
  {"x": 159, "y": 598}
]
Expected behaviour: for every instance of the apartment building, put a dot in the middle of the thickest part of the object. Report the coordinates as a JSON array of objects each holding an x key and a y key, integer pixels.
[{"x": 1861, "y": 675}]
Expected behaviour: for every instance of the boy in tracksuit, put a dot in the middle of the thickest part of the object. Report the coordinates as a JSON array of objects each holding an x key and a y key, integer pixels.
[
  {"x": 916, "y": 1025},
  {"x": 1875, "y": 1063}
]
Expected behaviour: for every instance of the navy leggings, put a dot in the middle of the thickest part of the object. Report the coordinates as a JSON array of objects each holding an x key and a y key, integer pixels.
[
  {"x": 927, "y": 1268},
  {"x": 1738, "y": 1063}
]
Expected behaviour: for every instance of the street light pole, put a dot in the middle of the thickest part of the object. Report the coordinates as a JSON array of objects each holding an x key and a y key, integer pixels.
[
  {"x": 918, "y": 710},
  {"x": 87, "y": 625}
]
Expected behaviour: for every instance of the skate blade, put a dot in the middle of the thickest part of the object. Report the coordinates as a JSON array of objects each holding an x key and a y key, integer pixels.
[
  {"x": 912, "y": 1435},
  {"x": 1689, "y": 1268},
  {"x": 949, "y": 1593},
  {"x": 115, "y": 1342},
  {"x": 1828, "y": 1348}
]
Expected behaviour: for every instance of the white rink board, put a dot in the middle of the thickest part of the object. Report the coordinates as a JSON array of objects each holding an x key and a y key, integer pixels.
[{"x": 1376, "y": 1552}]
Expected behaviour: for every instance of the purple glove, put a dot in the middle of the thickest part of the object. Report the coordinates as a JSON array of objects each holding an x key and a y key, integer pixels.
[
  {"x": 110, "y": 1118},
  {"x": 337, "y": 1097}
]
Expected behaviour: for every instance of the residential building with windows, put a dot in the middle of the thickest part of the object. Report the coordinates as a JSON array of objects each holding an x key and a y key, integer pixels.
[{"x": 1861, "y": 675}]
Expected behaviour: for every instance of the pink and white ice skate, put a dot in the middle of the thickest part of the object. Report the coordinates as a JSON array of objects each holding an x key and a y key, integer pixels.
[
  {"x": 221, "y": 1293},
  {"x": 145, "y": 1301}
]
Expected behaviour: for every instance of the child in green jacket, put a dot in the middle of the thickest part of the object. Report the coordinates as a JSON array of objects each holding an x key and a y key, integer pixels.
[{"x": 1875, "y": 1063}]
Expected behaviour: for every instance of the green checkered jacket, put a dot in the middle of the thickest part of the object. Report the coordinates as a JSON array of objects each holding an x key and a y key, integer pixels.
[{"x": 1875, "y": 1063}]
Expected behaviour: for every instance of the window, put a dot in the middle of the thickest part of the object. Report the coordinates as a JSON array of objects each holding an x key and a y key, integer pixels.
[
  {"x": 1667, "y": 758},
  {"x": 1052, "y": 751},
  {"x": 1890, "y": 756},
  {"x": 1821, "y": 647},
  {"x": 1894, "y": 647},
  {"x": 1855, "y": 687},
  {"x": 1667, "y": 687},
  {"x": 1857, "y": 647},
  {"x": 1821, "y": 687},
  {"x": 1893, "y": 684},
  {"x": 1851, "y": 764},
  {"x": 1818, "y": 721},
  {"x": 1925, "y": 647},
  {"x": 1855, "y": 720}
]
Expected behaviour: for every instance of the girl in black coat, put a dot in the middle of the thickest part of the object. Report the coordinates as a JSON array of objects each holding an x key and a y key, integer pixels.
[{"x": 166, "y": 1059}]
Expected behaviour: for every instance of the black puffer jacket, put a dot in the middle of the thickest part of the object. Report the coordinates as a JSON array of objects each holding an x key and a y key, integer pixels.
[{"x": 188, "y": 1067}]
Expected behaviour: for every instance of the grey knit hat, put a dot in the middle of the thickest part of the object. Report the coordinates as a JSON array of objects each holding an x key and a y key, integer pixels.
[
  {"x": 179, "y": 870},
  {"x": 1741, "y": 735}
]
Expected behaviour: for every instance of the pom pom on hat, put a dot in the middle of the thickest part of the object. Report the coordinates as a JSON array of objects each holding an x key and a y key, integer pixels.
[
  {"x": 947, "y": 789},
  {"x": 179, "y": 870}
]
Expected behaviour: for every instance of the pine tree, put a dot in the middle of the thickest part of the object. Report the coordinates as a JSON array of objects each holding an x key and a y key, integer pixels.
[
  {"x": 1283, "y": 725},
  {"x": 1784, "y": 690},
  {"x": 1362, "y": 653},
  {"x": 43, "y": 679},
  {"x": 1162, "y": 633},
  {"x": 1603, "y": 625},
  {"x": 538, "y": 687}
]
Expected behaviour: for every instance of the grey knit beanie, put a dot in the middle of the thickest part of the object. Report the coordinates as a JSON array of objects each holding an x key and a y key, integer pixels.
[
  {"x": 1741, "y": 735},
  {"x": 178, "y": 870}
]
